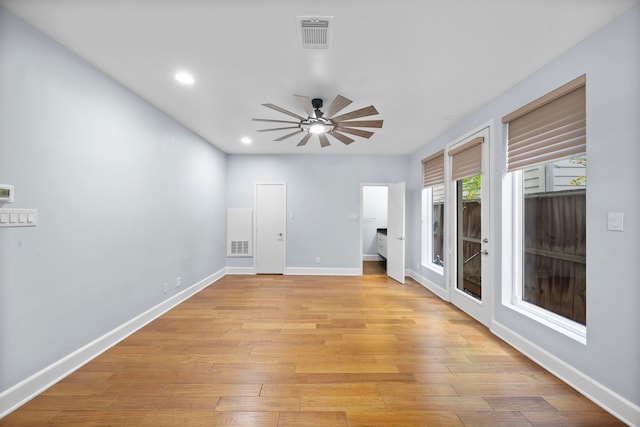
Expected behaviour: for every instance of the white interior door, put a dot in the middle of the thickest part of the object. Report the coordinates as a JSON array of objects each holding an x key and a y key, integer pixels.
[
  {"x": 270, "y": 228},
  {"x": 470, "y": 273},
  {"x": 395, "y": 232}
]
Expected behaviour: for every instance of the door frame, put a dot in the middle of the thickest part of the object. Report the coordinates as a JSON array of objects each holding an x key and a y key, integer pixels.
[
  {"x": 385, "y": 184},
  {"x": 284, "y": 224},
  {"x": 481, "y": 310},
  {"x": 360, "y": 247}
]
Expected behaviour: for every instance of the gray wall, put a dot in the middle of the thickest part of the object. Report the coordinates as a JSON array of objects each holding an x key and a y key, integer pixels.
[
  {"x": 322, "y": 191},
  {"x": 611, "y": 61},
  {"x": 127, "y": 199}
]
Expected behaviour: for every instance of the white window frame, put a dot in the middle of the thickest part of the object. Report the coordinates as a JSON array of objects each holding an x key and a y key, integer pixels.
[
  {"x": 512, "y": 267},
  {"x": 427, "y": 232}
]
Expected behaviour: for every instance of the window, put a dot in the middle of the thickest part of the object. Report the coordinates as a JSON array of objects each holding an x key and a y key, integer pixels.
[
  {"x": 546, "y": 209},
  {"x": 433, "y": 212},
  {"x": 433, "y": 227}
]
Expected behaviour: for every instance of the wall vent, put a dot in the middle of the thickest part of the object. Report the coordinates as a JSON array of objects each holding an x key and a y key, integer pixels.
[
  {"x": 239, "y": 232},
  {"x": 314, "y": 32},
  {"x": 239, "y": 247}
]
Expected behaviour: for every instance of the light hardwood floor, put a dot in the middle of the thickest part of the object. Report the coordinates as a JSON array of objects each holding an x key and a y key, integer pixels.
[
  {"x": 374, "y": 268},
  {"x": 311, "y": 351}
]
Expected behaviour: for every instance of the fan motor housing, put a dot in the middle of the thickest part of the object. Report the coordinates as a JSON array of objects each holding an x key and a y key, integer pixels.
[{"x": 316, "y": 103}]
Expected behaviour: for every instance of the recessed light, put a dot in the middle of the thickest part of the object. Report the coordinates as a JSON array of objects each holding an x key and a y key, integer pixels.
[
  {"x": 185, "y": 78},
  {"x": 246, "y": 140}
]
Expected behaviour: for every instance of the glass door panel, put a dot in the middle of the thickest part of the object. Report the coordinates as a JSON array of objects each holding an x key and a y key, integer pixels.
[{"x": 469, "y": 232}]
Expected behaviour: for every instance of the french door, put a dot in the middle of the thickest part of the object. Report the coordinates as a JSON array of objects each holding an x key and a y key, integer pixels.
[{"x": 469, "y": 278}]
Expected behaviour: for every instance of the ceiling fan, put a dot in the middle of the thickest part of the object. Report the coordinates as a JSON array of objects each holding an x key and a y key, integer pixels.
[{"x": 327, "y": 123}]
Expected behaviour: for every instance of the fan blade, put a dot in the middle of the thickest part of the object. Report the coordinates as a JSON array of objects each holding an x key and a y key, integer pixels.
[
  {"x": 324, "y": 141},
  {"x": 342, "y": 138},
  {"x": 336, "y": 105},
  {"x": 363, "y": 123},
  {"x": 282, "y": 110},
  {"x": 362, "y": 112},
  {"x": 305, "y": 102},
  {"x": 289, "y": 135},
  {"x": 304, "y": 140},
  {"x": 275, "y": 121},
  {"x": 358, "y": 132},
  {"x": 269, "y": 130}
]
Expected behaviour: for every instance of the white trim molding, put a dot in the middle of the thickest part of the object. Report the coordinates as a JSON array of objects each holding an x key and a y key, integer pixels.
[
  {"x": 312, "y": 271},
  {"x": 626, "y": 411},
  {"x": 443, "y": 293},
  {"x": 27, "y": 389},
  {"x": 240, "y": 270}
]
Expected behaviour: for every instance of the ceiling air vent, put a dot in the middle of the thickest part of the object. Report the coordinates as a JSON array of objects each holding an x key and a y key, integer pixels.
[{"x": 314, "y": 32}]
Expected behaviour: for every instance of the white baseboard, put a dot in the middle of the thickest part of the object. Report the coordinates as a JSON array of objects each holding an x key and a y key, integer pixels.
[
  {"x": 240, "y": 270},
  {"x": 300, "y": 271},
  {"x": 27, "y": 389},
  {"x": 439, "y": 291},
  {"x": 372, "y": 257},
  {"x": 311, "y": 271},
  {"x": 612, "y": 402}
]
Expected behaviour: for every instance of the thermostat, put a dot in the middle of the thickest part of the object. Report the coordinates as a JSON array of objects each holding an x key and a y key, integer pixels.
[{"x": 6, "y": 193}]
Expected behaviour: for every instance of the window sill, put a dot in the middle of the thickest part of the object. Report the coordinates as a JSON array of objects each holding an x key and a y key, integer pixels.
[
  {"x": 551, "y": 320},
  {"x": 438, "y": 269}
]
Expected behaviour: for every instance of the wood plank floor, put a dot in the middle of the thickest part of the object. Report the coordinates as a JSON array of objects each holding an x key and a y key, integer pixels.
[
  {"x": 311, "y": 351},
  {"x": 374, "y": 268}
]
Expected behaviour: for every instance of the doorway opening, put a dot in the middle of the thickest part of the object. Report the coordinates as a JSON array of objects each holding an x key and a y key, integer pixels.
[
  {"x": 389, "y": 241},
  {"x": 375, "y": 206}
]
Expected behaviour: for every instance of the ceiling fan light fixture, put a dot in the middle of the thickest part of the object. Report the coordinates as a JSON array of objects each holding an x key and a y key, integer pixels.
[
  {"x": 318, "y": 128},
  {"x": 323, "y": 124}
]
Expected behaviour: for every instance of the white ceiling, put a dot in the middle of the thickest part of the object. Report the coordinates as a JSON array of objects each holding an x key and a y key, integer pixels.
[{"x": 423, "y": 63}]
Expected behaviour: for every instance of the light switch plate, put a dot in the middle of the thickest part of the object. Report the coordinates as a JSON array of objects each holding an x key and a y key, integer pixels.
[
  {"x": 615, "y": 221},
  {"x": 18, "y": 217}
]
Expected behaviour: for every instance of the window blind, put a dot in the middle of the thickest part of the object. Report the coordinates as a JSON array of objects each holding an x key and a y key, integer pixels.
[
  {"x": 433, "y": 170},
  {"x": 466, "y": 160},
  {"x": 550, "y": 128}
]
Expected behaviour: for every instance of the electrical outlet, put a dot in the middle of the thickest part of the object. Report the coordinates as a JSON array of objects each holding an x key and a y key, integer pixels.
[
  {"x": 165, "y": 288},
  {"x": 317, "y": 260},
  {"x": 178, "y": 282}
]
